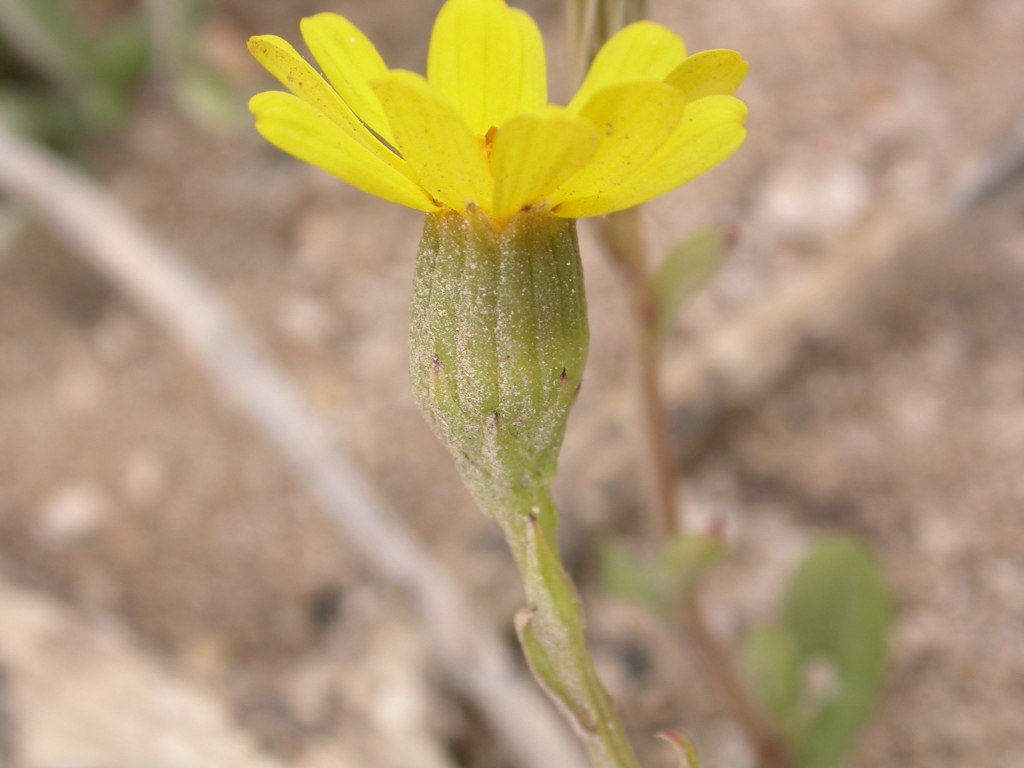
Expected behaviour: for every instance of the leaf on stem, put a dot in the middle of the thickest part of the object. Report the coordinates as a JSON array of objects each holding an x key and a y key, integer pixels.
[
  {"x": 838, "y": 610},
  {"x": 687, "y": 269},
  {"x": 688, "y": 757},
  {"x": 819, "y": 671},
  {"x": 660, "y": 584},
  {"x": 772, "y": 667},
  {"x": 627, "y": 575},
  {"x": 686, "y": 558}
]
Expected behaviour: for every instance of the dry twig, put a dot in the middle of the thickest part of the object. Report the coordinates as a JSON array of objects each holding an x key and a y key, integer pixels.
[{"x": 471, "y": 652}]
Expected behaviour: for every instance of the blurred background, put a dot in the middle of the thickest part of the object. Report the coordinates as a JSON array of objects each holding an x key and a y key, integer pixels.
[{"x": 172, "y": 595}]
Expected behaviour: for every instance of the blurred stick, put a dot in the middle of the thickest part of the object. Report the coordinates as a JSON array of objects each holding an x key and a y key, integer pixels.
[
  {"x": 592, "y": 22},
  {"x": 582, "y": 21},
  {"x": 470, "y": 651}
]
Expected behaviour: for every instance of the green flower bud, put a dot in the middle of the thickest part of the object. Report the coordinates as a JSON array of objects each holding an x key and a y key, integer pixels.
[{"x": 498, "y": 342}]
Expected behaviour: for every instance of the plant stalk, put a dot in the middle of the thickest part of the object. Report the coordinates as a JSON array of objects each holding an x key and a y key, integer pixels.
[
  {"x": 623, "y": 236},
  {"x": 551, "y": 629}
]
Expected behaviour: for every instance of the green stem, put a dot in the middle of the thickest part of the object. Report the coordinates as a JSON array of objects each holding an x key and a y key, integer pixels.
[
  {"x": 551, "y": 630},
  {"x": 623, "y": 238}
]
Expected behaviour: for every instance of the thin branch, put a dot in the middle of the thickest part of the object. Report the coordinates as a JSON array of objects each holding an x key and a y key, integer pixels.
[
  {"x": 769, "y": 745},
  {"x": 624, "y": 239},
  {"x": 469, "y": 650}
]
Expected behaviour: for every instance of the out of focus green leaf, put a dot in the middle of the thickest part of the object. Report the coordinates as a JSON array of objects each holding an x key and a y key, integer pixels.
[
  {"x": 772, "y": 667},
  {"x": 67, "y": 82},
  {"x": 626, "y": 575},
  {"x": 121, "y": 56},
  {"x": 208, "y": 100},
  {"x": 837, "y": 614},
  {"x": 45, "y": 31},
  {"x": 61, "y": 80},
  {"x": 661, "y": 583},
  {"x": 39, "y": 113},
  {"x": 688, "y": 268},
  {"x": 685, "y": 559}
]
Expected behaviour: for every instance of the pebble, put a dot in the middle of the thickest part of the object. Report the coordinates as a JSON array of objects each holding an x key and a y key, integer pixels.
[
  {"x": 814, "y": 197},
  {"x": 72, "y": 514}
]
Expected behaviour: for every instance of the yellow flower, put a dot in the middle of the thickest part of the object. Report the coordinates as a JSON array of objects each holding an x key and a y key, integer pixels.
[{"x": 478, "y": 131}]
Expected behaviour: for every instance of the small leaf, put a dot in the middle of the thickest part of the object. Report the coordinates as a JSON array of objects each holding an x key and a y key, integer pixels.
[
  {"x": 207, "y": 99},
  {"x": 626, "y": 575},
  {"x": 48, "y": 37},
  {"x": 688, "y": 757},
  {"x": 772, "y": 668},
  {"x": 121, "y": 56},
  {"x": 660, "y": 585},
  {"x": 688, "y": 268},
  {"x": 41, "y": 113},
  {"x": 838, "y": 615},
  {"x": 685, "y": 559}
]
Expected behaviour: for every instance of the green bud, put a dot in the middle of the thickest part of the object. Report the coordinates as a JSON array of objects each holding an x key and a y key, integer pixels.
[{"x": 498, "y": 342}]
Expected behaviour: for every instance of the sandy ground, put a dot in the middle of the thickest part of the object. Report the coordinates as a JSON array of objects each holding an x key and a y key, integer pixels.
[{"x": 138, "y": 510}]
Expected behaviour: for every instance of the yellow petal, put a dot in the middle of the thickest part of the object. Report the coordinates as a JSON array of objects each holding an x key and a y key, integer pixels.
[
  {"x": 349, "y": 62},
  {"x": 643, "y": 50},
  {"x": 635, "y": 119},
  {"x": 444, "y": 155},
  {"x": 282, "y": 61},
  {"x": 710, "y": 131},
  {"x": 708, "y": 73},
  {"x": 535, "y": 153},
  {"x": 487, "y": 60},
  {"x": 296, "y": 127}
]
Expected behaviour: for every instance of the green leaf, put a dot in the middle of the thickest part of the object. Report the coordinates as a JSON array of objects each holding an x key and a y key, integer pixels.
[
  {"x": 208, "y": 100},
  {"x": 772, "y": 668},
  {"x": 49, "y": 34},
  {"x": 121, "y": 56},
  {"x": 40, "y": 113},
  {"x": 628, "y": 576},
  {"x": 661, "y": 584},
  {"x": 688, "y": 268},
  {"x": 837, "y": 614},
  {"x": 685, "y": 559}
]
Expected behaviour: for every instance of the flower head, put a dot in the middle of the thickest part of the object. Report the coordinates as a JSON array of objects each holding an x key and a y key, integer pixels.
[{"x": 478, "y": 131}]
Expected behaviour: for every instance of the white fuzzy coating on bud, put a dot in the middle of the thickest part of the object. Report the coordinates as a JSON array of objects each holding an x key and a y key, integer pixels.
[{"x": 498, "y": 343}]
